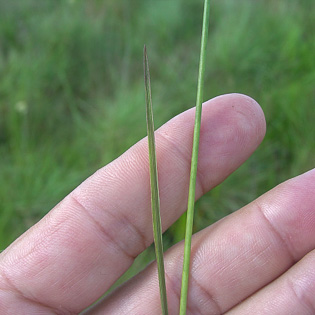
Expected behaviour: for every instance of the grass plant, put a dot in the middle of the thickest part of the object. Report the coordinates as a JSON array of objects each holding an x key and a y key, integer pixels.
[
  {"x": 155, "y": 198},
  {"x": 63, "y": 61},
  {"x": 194, "y": 160}
]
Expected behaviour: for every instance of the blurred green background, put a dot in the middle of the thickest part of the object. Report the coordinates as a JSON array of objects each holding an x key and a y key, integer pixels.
[{"x": 72, "y": 95}]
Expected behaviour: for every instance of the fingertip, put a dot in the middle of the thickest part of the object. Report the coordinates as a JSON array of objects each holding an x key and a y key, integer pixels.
[
  {"x": 233, "y": 124},
  {"x": 244, "y": 107}
]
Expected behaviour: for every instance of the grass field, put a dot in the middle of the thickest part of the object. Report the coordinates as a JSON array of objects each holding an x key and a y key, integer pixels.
[{"x": 72, "y": 95}]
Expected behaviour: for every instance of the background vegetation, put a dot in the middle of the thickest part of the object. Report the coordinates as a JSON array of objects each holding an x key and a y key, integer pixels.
[{"x": 72, "y": 95}]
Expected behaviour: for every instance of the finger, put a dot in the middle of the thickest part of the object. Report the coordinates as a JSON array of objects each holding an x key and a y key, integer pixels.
[
  {"x": 76, "y": 253},
  {"x": 292, "y": 293},
  {"x": 233, "y": 258}
]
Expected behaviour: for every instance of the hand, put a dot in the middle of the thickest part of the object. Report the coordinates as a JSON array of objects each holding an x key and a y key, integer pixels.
[{"x": 258, "y": 260}]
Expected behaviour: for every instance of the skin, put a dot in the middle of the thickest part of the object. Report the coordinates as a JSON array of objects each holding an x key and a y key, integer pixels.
[{"x": 258, "y": 260}]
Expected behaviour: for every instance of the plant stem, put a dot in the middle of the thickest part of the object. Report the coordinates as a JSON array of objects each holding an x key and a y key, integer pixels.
[
  {"x": 155, "y": 199},
  {"x": 194, "y": 161}
]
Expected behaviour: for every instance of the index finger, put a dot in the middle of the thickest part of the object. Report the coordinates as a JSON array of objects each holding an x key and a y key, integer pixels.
[{"x": 73, "y": 255}]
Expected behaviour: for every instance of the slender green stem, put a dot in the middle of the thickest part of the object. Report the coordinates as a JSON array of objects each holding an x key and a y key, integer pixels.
[
  {"x": 155, "y": 199},
  {"x": 194, "y": 161}
]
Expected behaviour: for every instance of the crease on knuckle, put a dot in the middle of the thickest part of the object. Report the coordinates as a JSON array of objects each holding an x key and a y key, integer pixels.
[
  {"x": 216, "y": 308},
  {"x": 130, "y": 229},
  {"x": 275, "y": 232},
  {"x": 29, "y": 299}
]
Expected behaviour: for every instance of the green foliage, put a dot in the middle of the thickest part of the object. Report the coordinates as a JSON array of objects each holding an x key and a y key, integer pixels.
[
  {"x": 71, "y": 92},
  {"x": 194, "y": 159},
  {"x": 154, "y": 185}
]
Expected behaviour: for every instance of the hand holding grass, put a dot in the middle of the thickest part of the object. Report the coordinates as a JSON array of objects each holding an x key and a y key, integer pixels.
[{"x": 265, "y": 250}]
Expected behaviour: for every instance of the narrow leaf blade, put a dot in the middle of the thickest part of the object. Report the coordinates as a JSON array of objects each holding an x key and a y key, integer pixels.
[
  {"x": 155, "y": 199},
  {"x": 194, "y": 161}
]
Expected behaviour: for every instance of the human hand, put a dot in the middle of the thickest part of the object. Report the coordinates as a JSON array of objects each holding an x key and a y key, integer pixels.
[{"x": 258, "y": 260}]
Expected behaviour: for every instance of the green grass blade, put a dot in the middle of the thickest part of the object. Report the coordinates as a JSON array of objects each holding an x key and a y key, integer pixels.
[
  {"x": 155, "y": 199},
  {"x": 194, "y": 161}
]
